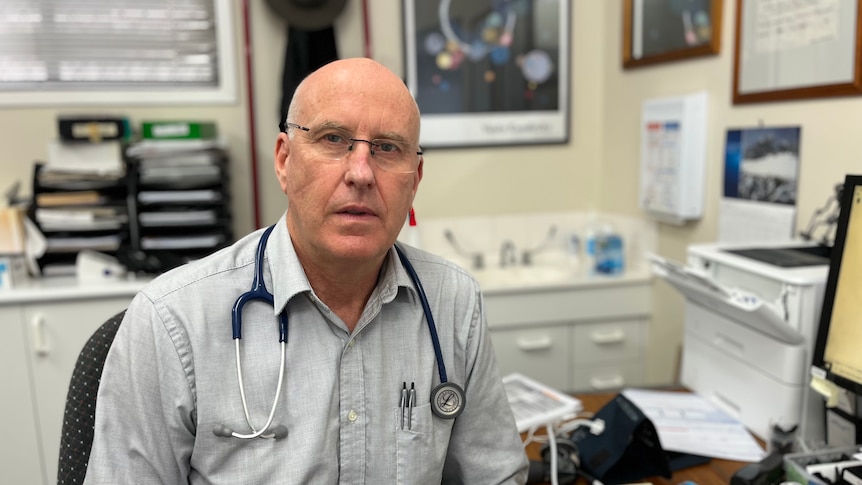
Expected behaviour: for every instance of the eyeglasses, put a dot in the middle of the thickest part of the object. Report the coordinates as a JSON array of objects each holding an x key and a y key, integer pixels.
[{"x": 335, "y": 144}]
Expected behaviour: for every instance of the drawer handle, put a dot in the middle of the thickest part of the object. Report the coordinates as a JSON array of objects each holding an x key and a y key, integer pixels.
[
  {"x": 615, "y": 382},
  {"x": 530, "y": 345},
  {"x": 604, "y": 338},
  {"x": 39, "y": 345}
]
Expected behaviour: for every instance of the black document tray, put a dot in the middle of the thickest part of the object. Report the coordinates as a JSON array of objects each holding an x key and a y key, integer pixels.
[{"x": 787, "y": 257}]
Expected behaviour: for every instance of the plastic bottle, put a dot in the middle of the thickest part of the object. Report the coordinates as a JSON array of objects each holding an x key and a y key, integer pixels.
[
  {"x": 609, "y": 251},
  {"x": 590, "y": 235},
  {"x": 573, "y": 252}
]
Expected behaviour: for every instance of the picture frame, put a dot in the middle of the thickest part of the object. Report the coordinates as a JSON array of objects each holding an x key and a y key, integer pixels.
[
  {"x": 659, "y": 31},
  {"x": 797, "y": 50},
  {"x": 488, "y": 73}
]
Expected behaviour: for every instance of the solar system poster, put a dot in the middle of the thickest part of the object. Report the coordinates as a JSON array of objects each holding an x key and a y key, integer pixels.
[{"x": 489, "y": 72}]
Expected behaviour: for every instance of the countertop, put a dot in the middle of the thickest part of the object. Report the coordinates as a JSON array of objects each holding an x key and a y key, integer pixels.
[{"x": 60, "y": 288}]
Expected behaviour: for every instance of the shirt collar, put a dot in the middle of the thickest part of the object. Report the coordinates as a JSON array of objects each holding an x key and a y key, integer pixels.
[{"x": 289, "y": 280}]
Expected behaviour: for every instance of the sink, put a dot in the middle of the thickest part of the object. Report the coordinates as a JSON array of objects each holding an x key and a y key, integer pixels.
[{"x": 522, "y": 275}]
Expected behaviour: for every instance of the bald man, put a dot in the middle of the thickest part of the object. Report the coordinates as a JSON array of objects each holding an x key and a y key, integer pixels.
[{"x": 359, "y": 393}]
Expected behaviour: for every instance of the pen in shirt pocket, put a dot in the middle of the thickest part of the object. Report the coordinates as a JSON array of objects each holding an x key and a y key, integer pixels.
[{"x": 403, "y": 402}]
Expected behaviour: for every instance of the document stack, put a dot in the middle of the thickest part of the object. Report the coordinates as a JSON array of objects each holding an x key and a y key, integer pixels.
[
  {"x": 179, "y": 185},
  {"x": 80, "y": 192}
]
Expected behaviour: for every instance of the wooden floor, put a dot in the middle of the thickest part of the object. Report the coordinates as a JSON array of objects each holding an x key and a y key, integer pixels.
[{"x": 716, "y": 472}]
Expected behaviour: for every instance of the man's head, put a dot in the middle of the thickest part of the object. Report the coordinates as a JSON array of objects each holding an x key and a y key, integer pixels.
[{"x": 349, "y": 208}]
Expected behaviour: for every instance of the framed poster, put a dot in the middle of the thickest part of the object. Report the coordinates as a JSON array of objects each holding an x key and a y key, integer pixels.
[
  {"x": 787, "y": 49},
  {"x": 486, "y": 72},
  {"x": 656, "y": 31}
]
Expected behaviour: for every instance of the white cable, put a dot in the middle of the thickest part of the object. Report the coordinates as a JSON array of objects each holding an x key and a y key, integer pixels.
[{"x": 552, "y": 442}]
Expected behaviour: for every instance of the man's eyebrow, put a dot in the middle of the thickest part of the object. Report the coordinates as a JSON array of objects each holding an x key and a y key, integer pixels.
[
  {"x": 329, "y": 125},
  {"x": 334, "y": 125}
]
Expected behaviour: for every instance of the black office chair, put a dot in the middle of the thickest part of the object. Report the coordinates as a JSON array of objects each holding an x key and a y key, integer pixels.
[{"x": 80, "y": 415}]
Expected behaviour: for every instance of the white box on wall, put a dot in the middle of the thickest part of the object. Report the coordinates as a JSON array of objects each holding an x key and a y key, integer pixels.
[{"x": 673, "y": 157}]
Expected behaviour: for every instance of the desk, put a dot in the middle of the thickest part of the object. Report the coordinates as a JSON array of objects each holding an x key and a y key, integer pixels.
[{"x": 716, "y": 472}]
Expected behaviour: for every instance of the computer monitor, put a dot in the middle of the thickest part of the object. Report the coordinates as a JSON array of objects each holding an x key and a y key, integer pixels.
[{"x": 838, "y": 349}]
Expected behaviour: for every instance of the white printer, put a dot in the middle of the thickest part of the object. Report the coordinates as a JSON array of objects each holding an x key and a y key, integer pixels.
[{"x": 751, "y": 317}]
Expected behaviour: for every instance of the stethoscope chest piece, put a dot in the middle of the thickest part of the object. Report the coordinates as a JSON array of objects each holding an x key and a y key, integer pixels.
[{"x": 447, "y": 400}]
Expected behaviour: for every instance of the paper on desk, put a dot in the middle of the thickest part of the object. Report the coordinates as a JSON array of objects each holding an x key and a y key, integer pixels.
[{"x": 688, "y": 423}]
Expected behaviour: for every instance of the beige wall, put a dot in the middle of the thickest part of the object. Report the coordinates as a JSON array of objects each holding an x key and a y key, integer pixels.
[
  {"x": 598, "y": 168},
  {"x": 457, "y": 181},
  {"x": 831, "y": 146}
]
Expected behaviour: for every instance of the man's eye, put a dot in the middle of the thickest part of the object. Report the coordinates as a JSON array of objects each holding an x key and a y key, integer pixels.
[
  {"x": 388, "y": 147},
  {"x": 333, "y": 138}
]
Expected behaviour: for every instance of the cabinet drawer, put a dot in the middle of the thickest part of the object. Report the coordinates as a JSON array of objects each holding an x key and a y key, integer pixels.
[
  {"x": 608, "y": 342},
  {"x": 601, "y": 378},
  {"x": 538, "y": 352}
]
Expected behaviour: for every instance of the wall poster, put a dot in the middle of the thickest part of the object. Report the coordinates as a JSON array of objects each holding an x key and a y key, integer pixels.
[{"x": 488, "y": 72}]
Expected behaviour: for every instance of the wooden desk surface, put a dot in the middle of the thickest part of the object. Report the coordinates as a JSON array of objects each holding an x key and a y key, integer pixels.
[{"x": 716, "y": 472}]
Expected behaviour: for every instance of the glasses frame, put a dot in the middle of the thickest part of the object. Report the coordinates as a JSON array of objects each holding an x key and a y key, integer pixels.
[{"x": 286, "y": 126}]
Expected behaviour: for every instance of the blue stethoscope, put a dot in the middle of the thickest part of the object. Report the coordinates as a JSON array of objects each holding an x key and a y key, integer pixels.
[{"x": 447, "y": 398}]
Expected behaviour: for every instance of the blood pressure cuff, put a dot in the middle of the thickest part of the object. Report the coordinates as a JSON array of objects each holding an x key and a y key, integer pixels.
[{"x": 629, "y": 448}]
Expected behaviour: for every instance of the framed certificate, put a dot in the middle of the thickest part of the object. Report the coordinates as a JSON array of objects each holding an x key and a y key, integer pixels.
[{"x": 792, "y": 50}]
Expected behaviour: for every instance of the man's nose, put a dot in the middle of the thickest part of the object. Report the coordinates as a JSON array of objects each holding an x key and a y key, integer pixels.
[{"x": 360, "y": 168}]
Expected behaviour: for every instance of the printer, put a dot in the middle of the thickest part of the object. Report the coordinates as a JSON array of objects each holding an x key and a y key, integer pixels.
[{"x": 751, "y": 318}]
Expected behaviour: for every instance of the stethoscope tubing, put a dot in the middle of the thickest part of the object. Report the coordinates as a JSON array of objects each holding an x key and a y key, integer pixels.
[
  {"x": 429, "y": 317},
  {"x": 259, "y": 292},
  {"x": 258, "y": 433}
]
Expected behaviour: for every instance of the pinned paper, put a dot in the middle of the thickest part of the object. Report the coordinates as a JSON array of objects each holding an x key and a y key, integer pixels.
[{"x": 827, "y": 389}]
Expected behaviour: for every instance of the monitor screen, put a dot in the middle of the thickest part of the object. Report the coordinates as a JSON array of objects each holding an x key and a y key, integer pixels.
[{"x": 838, "y": 349}]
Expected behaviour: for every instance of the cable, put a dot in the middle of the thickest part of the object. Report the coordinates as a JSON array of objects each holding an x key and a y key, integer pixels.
[
  {"x": 564, "y": 449},
  {"x": 552, "y": 442}
]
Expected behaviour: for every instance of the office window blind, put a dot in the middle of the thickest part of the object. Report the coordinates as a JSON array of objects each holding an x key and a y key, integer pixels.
[{"x": 113, "y": 46}]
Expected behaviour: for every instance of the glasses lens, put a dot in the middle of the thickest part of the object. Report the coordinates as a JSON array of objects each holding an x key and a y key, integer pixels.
[
  {"x": 390, "y": 155},
  {"x": 394, "y": 156}
]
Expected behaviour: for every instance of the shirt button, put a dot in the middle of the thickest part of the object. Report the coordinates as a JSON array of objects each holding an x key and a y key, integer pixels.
[{"x": 351, "y": 416}]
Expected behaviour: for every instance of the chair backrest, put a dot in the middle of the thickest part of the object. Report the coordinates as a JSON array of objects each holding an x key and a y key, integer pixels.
[{"x": 80, "y": 414}]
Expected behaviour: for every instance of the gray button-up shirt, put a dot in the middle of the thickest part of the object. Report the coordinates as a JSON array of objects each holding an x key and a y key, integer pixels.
[{"x": 171, "y": 378}]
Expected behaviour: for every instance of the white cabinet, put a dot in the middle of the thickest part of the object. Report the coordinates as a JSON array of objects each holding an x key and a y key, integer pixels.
[
  {"x": 577, "y": 336},
  {"x": 608, "y": 354},
  {"x": 19, "y": 448},
  {"x": 45, "y": 329},
  {"x": 540, "y": 350}
]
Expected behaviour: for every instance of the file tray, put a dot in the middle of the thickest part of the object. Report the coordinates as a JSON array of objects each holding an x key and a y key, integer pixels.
[
  {"x": 535, "y": 404},
  {"x": 801, "y": 467}
]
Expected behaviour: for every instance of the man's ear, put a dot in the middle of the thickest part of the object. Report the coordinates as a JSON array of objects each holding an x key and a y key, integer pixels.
[
  {"x": 282, "y": 153},
  {"x": 418, "y": 175}
]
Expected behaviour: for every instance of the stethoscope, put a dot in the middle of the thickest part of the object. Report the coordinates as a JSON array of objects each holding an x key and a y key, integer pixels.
[{"x": 447, "y": 398}]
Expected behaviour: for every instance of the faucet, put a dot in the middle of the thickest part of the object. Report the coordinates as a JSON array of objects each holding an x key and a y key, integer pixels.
[
  {"x": 527, "y": 257},
  {"x": 508, "y": 255},
  {"x": 476, "y": 257}
]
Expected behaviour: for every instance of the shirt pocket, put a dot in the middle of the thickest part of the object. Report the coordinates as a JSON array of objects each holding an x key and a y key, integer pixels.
[{"x": 419, "y": 457}]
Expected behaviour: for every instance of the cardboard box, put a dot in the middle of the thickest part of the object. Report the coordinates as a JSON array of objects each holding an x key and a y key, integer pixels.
[
  {"x": 11, "y": 231},
  {"x": 13, "y": 267}
]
